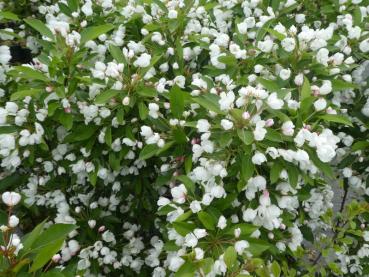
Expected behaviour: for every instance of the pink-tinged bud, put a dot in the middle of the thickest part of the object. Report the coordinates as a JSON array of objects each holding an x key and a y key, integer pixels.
[
  {"x": 67, "y": 110},
  {"x": 283, "y": 227},
  {"x": 49, "y": 89},
  {"x": 56, "y": 258},
  {"x": 362, "y": 226},
  {"x": 101, "y": 229},
  {"x": 246, "y": 115},
  {"x": 269, "y": 122},
  {"x": 266, "y": 193},
  {"x": 307, "y": 127}
]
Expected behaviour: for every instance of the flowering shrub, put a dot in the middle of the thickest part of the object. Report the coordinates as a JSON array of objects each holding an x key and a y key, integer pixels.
[{"x": 184, "y": 138}]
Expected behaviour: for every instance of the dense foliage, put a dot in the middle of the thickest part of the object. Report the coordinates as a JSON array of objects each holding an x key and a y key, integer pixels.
[{"x": 184, "y": 138}]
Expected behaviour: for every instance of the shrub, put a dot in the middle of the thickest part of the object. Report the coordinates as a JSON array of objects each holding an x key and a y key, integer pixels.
[{"x": 184, "y": 138}]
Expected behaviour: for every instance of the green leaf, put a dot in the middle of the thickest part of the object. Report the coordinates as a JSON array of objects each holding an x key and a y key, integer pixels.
[
  {"x": 275, "y": 34},
  {"x": 147, "y": 91},
  {"x": 230, "y": 257},
  {"x": 246, "y": 229},
  {"x": 209, "y": 101},
  {"x": 93, "y": 32},
  {"x": 293, "y": 174},
  {"x": 31, "y": 237},
  {"x": 306, "y": 105},
  {"x": 8, "y": 15},
  {"x": 45, "y": 254},
  {"x": 324, "y": 167},
  {"x": 142, "y": 110},
  {"x": 275, "y": 171},
  {"x": 336, "y": 118},
  {"x": 246, "y": 136},
  {"x": 40, "y": 27},
  {"x": 188, "y": 269},
  {"x": 190, "y": 186},
  {"x": 360, "y": 145},
  {"x": 73, "y": 4},
  {"x": 270, "y": 85},
  {"x": 176, "y": 97},
  {"x": 183, "y": 228},
  {"x": 338, "y": 85},
  {"x": 27, "y": 72},
  {"x": 108, "y": 138},
  {"x": 81, "y": 133},
  {"x": 23, "y": 93},
  {"x": 105, "y": 96},
  {"x": 257, "y": 246},
  {"x": 117, "y": 54},
  {"x": 53, "y": 233},
  {"x": 275, "y": 269},
  {"x": 305, "y": 89},
  {"x": 11, "y": 181},
  {"x": 8, "y": 129},
  {"x": 148, "y": 151},
  {"x": 207, "y": 220},
  {"x": 247, "y": 169}
]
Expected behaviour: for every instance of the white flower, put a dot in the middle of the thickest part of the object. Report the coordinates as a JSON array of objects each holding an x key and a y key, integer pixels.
[
  {"x": 190, "y": 240},
  {"x": 288, "y": 44},
  {"x": 199, "y": 253},
  {"x": 5, "y": 56},
  {"x": 322, "y": 56},
  {"x": 364, "y": 46},
  {"x": 285, "y": 74},
  {"x": 222, "y": 222},
  {"x": 200, "y": 233},
  {"x": 265, "y": 46},
  {"x": 11, "y": 198},
  {"x": 172, "y": 14},
  {"x": 242, "y": 28},
  {"x": 249, "y": 215},
  {"x": 195, "y": 206},
  {"x": 260, "y": 131},
  {"x": 143, "y": 60},
  {"x": 320, "y": 104},
  {"x": 288, "y": 128},
  {"x": 179, "y": 194},
  {"x": 258, "y": 158},
  {"x": 274, "y": 102},
  {"x": 87, "y": 8},
  {"x": 13, "y": 221},
  {"x": 240, "y": 246},
  {"x": 203, "y": 125},
  {"x": 175, "y": 263},
  {"x": 226, "y": 100},
  {"x": 226, "y": 124},
  {"x": 153, "y": 110},
  {"x": 326, "y": 87}
]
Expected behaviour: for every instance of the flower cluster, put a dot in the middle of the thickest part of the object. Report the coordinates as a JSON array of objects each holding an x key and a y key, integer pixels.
[{"x": 187, "y": 138}]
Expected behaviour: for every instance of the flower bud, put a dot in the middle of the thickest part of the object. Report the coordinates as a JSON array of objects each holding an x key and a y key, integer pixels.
[
  {"x": 13, "y": 221},
  {"x": 11, "y": 198}
]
